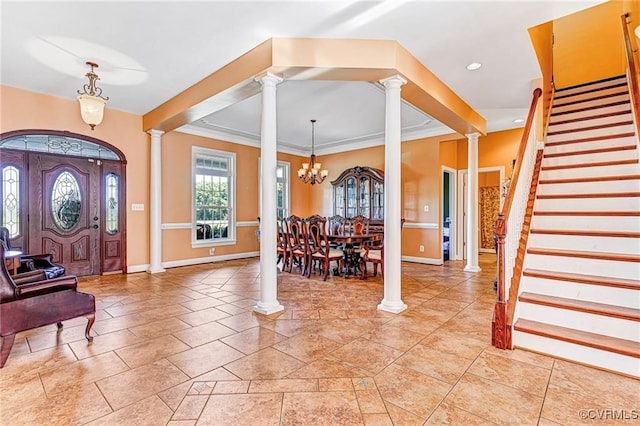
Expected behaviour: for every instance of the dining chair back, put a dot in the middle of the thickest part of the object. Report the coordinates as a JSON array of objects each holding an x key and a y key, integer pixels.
[
  {"x": 359, "y": 225},
  {"x": 282, "y": 247},
  {"x": 318, "y": 247},
  {"x": 297, "y": 246}
]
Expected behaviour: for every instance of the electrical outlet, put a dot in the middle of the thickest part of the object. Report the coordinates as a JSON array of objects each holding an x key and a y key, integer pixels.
[
  {"x": 421, "y": 249},
  {"x": 426, "y": 208},
  {"x": 212, "y": 251}
]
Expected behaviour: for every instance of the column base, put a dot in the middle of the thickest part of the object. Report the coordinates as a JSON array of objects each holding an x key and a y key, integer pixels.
[
  {"x": 393, "y": 307},
  {"x": 155, "y": 269},
  {"x": 268, "y": 308},
  {"x": 472, "y": 268}
]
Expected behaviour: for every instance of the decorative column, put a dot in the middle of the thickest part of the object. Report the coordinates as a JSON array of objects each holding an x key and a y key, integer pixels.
[
  {"x": 268, "y": 303},
  {"x": 392, "y": 301},
  {"x": 155, "y": 208},
  {"x": 472, "y": 204}
]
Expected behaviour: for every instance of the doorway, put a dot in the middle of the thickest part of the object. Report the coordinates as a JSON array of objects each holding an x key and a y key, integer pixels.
[
  {"x": 487, "y": 176},
  {"x": 64, "y": 201},
  {"x": 448, "y": 214}
]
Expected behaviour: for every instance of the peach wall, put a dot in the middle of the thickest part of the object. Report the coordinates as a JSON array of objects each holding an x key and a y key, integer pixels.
[
  {"x": 176, "y": 194},
  {"x": 22, "y": 109},
  {"x": 495, "y": 149},
  {"x": 421, "y": 183},
  {"x": 542, "y": 41},
  {"x": 588, "y": 45}
]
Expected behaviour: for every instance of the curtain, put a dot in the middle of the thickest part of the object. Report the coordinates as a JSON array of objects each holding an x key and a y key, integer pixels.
[{"x": 489, "y": 209}]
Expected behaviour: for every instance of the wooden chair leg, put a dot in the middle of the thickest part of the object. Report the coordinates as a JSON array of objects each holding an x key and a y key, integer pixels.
[
  {"x": 5, "y": 348},
  {"x": 91, "y": 318},
  {"x": 375, "y": 269}
]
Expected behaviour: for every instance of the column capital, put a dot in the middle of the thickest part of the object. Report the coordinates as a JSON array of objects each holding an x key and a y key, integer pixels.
[
  {"x": 156, "y": 133},
  {"x": 473, "y": 136},
  {"x": 268, "y": 79},
  {"x": 394, "y": 81}
]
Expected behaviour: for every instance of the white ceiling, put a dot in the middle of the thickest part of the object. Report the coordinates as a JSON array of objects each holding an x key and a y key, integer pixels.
[{"x": 150, "y": 51}]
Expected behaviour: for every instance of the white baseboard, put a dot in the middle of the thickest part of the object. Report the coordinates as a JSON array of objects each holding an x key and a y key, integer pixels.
[
  {"x": 137, "y": 268},
  {"x": 196, "y": 261},
  {"x": 425, "y": 260}
]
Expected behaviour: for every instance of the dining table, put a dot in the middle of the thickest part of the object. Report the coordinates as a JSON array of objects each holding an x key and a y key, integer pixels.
[{"x": 354, "y": 264}]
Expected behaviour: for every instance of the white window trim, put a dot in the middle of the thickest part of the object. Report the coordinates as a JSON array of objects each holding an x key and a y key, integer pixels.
[
  {"x": 231, "y": 231},
  {"x": 287, "y": 203}
]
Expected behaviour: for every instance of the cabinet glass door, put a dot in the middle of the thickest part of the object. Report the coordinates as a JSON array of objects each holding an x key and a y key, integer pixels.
[
  {"x": 351, "y": 197},
  {"x": 378, "y": 200},
  {"x": 339, "y": 199},
  {"x": 364, "y": 197}
]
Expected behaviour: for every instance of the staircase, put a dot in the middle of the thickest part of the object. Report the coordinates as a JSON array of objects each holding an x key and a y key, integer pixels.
[{"x": 579, "y": 295}]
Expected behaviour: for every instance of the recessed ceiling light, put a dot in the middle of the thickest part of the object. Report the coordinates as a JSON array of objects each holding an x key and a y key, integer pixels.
[
  {"x": 518, "y": 120},
  {"x": 474, "y": 66}
]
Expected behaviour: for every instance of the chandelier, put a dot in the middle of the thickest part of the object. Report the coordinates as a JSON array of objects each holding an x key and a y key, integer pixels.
[
  {"x": 311, "y": 172},
  {"x": 91, "y": 101}
]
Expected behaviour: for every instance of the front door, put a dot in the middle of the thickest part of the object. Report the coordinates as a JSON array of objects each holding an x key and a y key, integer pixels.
[{"x": 64, "y": 209}]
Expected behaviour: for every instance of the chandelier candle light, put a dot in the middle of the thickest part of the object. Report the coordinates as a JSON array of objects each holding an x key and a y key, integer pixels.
[
  {"x": 91, "y": 101},
  {"x": 311, "y": 172}
]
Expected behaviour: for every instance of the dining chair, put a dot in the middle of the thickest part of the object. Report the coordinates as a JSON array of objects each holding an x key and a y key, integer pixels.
[
  {"x": 318, "y": 248},
  {"x": 359, "y": 225},
  {"x": 374, "y": 253},
  {"x": 282, "y": 248},
  {"x": 297, "y": 248}
]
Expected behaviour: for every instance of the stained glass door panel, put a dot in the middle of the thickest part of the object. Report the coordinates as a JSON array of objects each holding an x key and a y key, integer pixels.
[{"x": 65, "y": 205}]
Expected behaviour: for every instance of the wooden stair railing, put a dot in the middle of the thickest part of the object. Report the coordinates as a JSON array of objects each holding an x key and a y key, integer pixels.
[
  {"x": 633, "y": 71},
  {"x": 501, "y": 326}
]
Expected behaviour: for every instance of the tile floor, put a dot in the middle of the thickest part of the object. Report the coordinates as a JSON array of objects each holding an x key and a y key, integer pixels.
[{"x": 185, "y": 348}]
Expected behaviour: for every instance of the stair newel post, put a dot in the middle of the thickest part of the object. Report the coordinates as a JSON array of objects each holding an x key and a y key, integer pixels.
[{"x": 500, "y": 333}]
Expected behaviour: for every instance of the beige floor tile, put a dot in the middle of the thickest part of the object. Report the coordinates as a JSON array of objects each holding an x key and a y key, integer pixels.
[
  {"x": 235, "y": 386},
  {"x": 498, "y": 403},
  {"x": 403, "y": 417},
  {"x": 617, "y": 389},
  {"x": 37, "y": 362},
  {"x": 394, "y": 337},
  {"x": 244, "y": 321},
  {"x": 520, "y": 375},
  {"x": 432, "y": 362},
  {"x": 204, "y": 333},
  {"x": 202, "y": 317},
  {"x": 202, "y": 359},
  {"x": 377, "y": 419},
  {"x": 368, "y": 355},
  {"x": 320, "y": 408},
  {"x": 307, "y": 347},
  {"x": 330, "y": 384},
  {"x": 324, "y": 344},
  {"x": 80, "y": 404},
  {"x": 190, "y": 408},
  {"x": 265, "y": 364},
  {"x": 149, "y": 351},
  {"x": 454, "y": 344},
  {"x": 89, "y": 370},
  {"x": 410, "y": 390},
  {"x": 522, "y": 355},
  {"x": 568, "y": 406},
  {"x": 253, "y": 339},
  {"x": 262, "y": 409},
  {"x": 283, "y": 385},
  {"x": 150, "y": 411},
  {"x": 137, "y": 384},
  {"x": 103, "y": 343},
  {"x": 370, "y": 401},
  {"x": 159, "y": 328},
  {"x": 447, "y": 414}
]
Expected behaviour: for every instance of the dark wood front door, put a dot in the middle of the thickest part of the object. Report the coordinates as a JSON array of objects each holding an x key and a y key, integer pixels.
[{"x": 64, "y": 211}]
